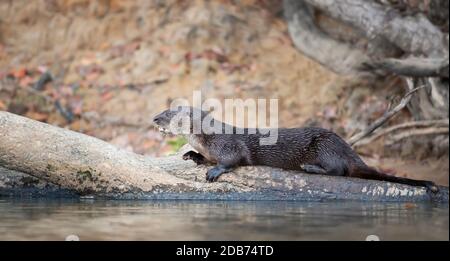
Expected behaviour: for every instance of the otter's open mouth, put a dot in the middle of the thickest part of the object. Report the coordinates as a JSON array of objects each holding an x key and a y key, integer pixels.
[{"x": 163, "y": 130}]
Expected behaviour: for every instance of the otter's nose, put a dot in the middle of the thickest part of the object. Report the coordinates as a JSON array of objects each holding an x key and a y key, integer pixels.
[{"x": 157, "y": 119}]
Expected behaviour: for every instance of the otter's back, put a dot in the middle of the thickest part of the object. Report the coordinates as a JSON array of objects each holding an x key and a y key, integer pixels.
[{"x": 298, "y": 146}]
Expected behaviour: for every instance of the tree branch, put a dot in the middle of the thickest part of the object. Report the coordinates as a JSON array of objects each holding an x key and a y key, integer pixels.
[
  {"x": 417, "y": 132},
  {"x": 406, "y": 125},
  {"x": 416, "y": 67},
  {"x": 387, "y": 116}
]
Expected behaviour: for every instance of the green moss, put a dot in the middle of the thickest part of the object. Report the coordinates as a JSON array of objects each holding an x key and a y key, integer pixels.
[
  {"x": 86, "y": 175},
  {"x": 177, "y": 143},
  {"x": 51, "y": 168}
]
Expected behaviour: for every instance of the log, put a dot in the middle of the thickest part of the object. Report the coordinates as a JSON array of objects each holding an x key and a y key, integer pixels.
[
  {"x": 20, "y": 185},
  {"x": 81, "y": 165}
]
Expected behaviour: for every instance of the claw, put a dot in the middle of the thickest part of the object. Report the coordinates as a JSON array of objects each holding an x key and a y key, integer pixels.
[
  {"x": 212, "y": 175},
  {"x": 431, "y": 187}
]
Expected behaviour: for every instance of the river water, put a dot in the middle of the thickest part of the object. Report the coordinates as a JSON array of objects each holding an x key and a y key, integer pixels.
[{"x": 220, "y": 220}]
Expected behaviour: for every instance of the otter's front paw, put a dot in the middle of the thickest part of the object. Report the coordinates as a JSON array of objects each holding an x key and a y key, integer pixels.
[{"x": 213, "y": 174}]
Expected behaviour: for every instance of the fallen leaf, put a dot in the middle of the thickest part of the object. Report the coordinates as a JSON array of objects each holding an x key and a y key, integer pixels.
[
  {"x": 26, "y": 81},
  {"x": 79, "y": 125},
  {"x": 86, "y": 61},
  {"x": 90, "y": 77},
  {"x": 42, "y": 69},
  {"x": 37, "y": 115},
  {"x": 130, "y": 48},
  {"x": 77, "y": 107},
  {"x": 2, "y": 106},
  {"x": 107, "y": 96},
  {"x": 149, "y": 144},
  {"x": 66, "y": 90},
  {"x": 19, "y": 73},
  {"x": 188, "y": 57},
  {"x": 104, "y": 46},
  {"x": 330, "y": 112}
]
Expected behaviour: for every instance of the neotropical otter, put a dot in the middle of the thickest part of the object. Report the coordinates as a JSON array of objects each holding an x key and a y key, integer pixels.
[{"x": 312, "y": 150}]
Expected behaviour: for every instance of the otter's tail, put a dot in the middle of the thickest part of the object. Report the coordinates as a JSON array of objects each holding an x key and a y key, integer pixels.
[{"x": 365, "y": 172}]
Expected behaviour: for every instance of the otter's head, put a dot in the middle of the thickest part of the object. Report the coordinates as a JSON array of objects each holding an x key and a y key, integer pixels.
[{"x": 180, "y": 120}]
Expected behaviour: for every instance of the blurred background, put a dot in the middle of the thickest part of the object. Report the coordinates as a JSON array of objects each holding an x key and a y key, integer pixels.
[{"x": 104, "y": 68}]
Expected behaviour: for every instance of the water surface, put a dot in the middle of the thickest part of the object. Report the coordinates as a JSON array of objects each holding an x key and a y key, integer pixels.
[{"x": 220, "y": 220}]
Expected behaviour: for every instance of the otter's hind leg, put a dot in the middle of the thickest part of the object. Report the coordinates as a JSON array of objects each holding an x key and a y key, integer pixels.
[
  {"x": 330, "y": 170},
  {"x": 333, "y": 165},
  {"x": 313, "y": 169}
]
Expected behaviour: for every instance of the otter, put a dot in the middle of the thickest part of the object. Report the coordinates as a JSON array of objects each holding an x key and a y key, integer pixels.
[{"x": 310, "y": 149}]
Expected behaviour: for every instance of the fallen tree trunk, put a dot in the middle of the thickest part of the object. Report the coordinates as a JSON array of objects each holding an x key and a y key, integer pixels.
[
  {"x": 81, "y": 165},
  {"x": 20, "y": 185}
]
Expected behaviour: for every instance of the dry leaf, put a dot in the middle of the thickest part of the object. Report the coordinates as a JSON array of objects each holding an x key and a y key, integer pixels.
[
  {"x": 2, "y": 106},
  {"x": 26, "y": 81},
  {"x": 107, "y": 96},
  {"x": 37, "y": 115},
  {"x": 19, "y": 73}
]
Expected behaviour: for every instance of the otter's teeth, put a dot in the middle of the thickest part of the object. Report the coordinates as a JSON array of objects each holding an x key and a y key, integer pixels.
[{"x": 163, "y": 130}]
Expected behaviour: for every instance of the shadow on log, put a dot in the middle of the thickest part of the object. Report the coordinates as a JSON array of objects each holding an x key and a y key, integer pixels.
[{"x": 37, "y": 159}]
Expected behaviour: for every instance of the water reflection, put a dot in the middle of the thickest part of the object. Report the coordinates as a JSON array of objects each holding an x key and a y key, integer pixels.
[{"x": 223, "y": 220}]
